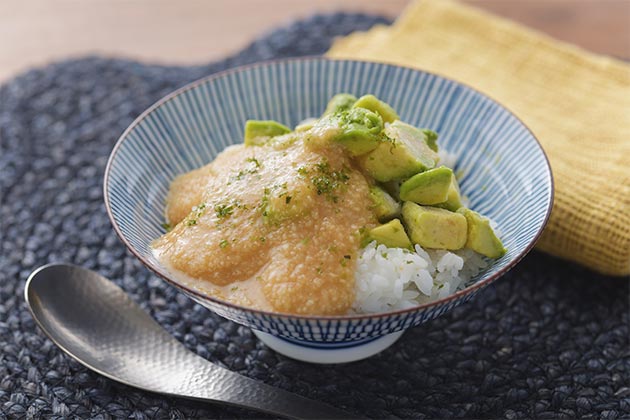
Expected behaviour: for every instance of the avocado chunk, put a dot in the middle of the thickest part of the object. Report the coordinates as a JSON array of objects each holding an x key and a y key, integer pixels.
[
  {"x": 429, "y": 187},
  {"x": 357, "y": 129},
  {"x": 279, "y": 204},
  {"x": 392, "y": 188},
  {"x": 374, "y": 104},
  {"x": 431, "y": 227},
  {"x": 340, "y": 102},
  {"x": 481, "y": 237},
  {"x": 385, "y": 207},
  {"x": 431, "y": 137},
  {"x": 392, "y": 234},
  {"x": 258, "y": 132},
  {"x": 454, "y": 199},
  {"x": 404, "y": 155}
]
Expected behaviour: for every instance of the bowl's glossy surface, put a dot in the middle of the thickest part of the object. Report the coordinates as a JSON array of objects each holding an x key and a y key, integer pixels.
[{"x": 506, "y": 175}]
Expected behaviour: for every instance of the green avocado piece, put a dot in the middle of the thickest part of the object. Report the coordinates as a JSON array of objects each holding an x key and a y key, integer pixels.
[
  {"x": 431, "y": 227},
  {"x": 392, "y": 188},
  {"x": 278, "y": 205},
  {"x": 340, "y": 102},
  {"x": 385, "y": 207},
  {"x": 481, "y": 237},
  {"x": 404, "y": 155},
  {"x": 454, "y": 200},
  {"x": 432, "y": 138},
  {"x": 392, "y": 234},
  {"x": 358, "y": 129},
  {"x": 374, "y": 104},
  {"x": 258, "y": 132},
  {"x": 429, "y": 187}
]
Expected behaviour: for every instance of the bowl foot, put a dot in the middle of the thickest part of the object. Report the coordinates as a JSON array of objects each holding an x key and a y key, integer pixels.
[{"x": 328, "y": 352}]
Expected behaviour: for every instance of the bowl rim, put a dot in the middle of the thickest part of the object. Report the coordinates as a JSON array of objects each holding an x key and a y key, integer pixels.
[{"x": 259, "y": 312}]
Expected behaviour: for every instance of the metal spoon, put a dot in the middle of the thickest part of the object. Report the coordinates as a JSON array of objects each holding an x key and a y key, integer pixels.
[{"x": 96, "y": 323}]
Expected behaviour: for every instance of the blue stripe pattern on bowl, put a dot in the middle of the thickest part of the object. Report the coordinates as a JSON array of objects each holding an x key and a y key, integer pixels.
[{"x": 506, "y": 175}]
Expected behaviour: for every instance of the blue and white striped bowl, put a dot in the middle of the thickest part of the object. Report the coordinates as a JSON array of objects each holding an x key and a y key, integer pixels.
[{"x": 506, "y": 176}]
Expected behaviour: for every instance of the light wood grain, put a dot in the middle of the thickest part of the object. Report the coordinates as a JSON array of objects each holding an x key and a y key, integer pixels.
[{"x": 36, "y": 32}]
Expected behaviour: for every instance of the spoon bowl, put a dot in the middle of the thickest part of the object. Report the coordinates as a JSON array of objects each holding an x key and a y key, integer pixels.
[{"x": 97, "y": 324}]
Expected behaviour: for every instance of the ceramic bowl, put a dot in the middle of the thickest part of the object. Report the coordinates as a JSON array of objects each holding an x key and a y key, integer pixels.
[{"x": 506, "y": 176}]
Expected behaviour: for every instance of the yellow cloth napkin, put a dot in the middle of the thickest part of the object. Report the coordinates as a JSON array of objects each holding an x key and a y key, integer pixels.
[{"x": 576, "y": 103}]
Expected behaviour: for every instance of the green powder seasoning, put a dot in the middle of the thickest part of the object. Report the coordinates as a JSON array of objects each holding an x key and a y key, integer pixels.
[
  {"x": 196, "y": 213},
  {"x": 327, "y": 182}
]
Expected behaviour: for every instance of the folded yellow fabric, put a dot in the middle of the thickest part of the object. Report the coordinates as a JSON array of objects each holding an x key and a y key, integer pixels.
[{"x": 576, "y": 103}]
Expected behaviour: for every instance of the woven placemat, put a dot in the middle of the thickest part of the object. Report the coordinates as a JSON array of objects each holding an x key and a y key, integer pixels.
[{"x": 549, "y": 340}]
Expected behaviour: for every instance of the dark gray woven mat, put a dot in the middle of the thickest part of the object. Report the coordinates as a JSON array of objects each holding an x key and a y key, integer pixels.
[{"x": 549, "y": 340}]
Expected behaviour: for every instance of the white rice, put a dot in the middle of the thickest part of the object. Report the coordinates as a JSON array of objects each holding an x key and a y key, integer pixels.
[{"x": 394, "y": 278}]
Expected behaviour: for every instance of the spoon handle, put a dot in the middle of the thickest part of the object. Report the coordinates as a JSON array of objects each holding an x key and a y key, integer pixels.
[
  {"x": 211, "y": 382},
  {"x": 177, "y": 371},
  {"x": 95, "y": 322}
]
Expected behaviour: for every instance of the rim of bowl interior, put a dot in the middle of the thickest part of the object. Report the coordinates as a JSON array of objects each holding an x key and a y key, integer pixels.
[{"x": 460, "y": 293}]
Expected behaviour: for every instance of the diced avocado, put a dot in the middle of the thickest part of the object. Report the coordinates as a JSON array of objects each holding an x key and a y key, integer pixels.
[
  {"x": 454, "y": 200},
  {"x": 340, "y": 102},
  {"x": 432, "y": 138},
  {"x": 392, "y": 234},
  {"x": 259, "y": 132},
  {"x": 385, "y": 207},
  {"x": 432, "y": 227},
  {"x": 278, "y": 205},
  {"x": 404, "y": 155},
  {"x": 374, "y": 104},
  {"x": 392, "y": 188},
  {"x": 481, "y": 237},
  {"x": 357, "y": 129},
  {"x": 429, "y": 187}
]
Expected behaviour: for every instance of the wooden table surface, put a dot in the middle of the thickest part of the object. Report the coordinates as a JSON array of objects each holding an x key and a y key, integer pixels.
[{"x": 35, "y": 32}]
